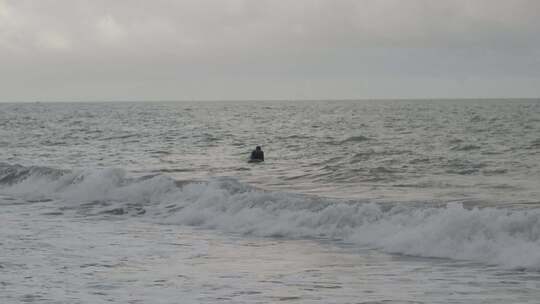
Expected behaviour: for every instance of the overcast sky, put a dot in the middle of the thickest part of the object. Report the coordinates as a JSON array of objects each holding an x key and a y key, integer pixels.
[{"x": 74, "y": 50}]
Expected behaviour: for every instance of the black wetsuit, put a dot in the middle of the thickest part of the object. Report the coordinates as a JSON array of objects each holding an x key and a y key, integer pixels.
[{"x": 257, "y": 155}]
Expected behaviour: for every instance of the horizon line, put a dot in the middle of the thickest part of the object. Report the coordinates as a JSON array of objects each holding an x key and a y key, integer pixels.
[{"x": 281, "y": 100}]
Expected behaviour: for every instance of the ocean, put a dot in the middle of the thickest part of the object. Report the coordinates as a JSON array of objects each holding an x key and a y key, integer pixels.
[{"x": 373, "y": 201}]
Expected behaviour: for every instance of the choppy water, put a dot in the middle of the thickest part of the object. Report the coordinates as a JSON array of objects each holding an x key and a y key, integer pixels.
[
  {"x": 484, "y": 151},
  {"x": 98, "y": 198}
]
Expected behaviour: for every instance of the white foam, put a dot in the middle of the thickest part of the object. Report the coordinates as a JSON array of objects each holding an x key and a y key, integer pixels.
[
  {"x": 508, "y": 238},
  {"x": 488, "y": 235}
]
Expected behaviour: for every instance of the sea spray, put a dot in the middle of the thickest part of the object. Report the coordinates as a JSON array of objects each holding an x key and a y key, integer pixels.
[{"x": 501, "y": 236}]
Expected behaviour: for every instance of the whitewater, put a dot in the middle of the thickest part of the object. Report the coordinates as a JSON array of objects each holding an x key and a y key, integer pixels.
[{"x": 357, "y": 202}]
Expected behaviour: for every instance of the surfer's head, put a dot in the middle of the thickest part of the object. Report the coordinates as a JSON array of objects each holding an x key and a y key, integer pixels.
[{"x": 258, "y": 148}]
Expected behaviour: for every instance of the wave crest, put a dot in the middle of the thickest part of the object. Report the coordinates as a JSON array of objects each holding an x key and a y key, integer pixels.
[{"x": 504, "y": 237}]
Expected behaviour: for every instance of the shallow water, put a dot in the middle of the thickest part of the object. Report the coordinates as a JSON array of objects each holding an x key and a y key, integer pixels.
[{"x": 49, "y": 258}]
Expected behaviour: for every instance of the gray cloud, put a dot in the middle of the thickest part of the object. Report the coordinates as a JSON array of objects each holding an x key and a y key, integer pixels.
[{"x": 228, "y": 49}]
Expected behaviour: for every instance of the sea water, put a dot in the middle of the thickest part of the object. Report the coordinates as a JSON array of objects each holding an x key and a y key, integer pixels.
[{"x": 357, "y": 202}]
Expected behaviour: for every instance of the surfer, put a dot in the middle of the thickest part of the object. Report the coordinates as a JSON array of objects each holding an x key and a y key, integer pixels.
[{"x": 257, "y": 155}]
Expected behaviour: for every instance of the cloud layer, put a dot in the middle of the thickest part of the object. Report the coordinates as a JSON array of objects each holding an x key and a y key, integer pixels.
[{"x": 262, "y": 49}]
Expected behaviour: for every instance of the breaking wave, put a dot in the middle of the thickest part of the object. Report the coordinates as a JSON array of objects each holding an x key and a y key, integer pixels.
[{"x": 506, "y": 237}]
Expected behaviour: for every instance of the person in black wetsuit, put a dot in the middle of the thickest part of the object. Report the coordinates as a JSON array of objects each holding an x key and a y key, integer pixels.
[{"x": 257, "y": 154}]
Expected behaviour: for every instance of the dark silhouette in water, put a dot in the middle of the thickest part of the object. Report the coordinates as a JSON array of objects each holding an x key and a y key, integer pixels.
[{"x": 257, "y": 155}]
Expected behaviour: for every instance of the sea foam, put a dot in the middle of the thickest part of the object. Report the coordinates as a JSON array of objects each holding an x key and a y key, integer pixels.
[{"x": 505, "y": 237}]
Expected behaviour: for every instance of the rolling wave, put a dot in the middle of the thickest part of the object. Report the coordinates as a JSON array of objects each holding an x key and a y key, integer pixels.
[{"x": 505, "y": 237}]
